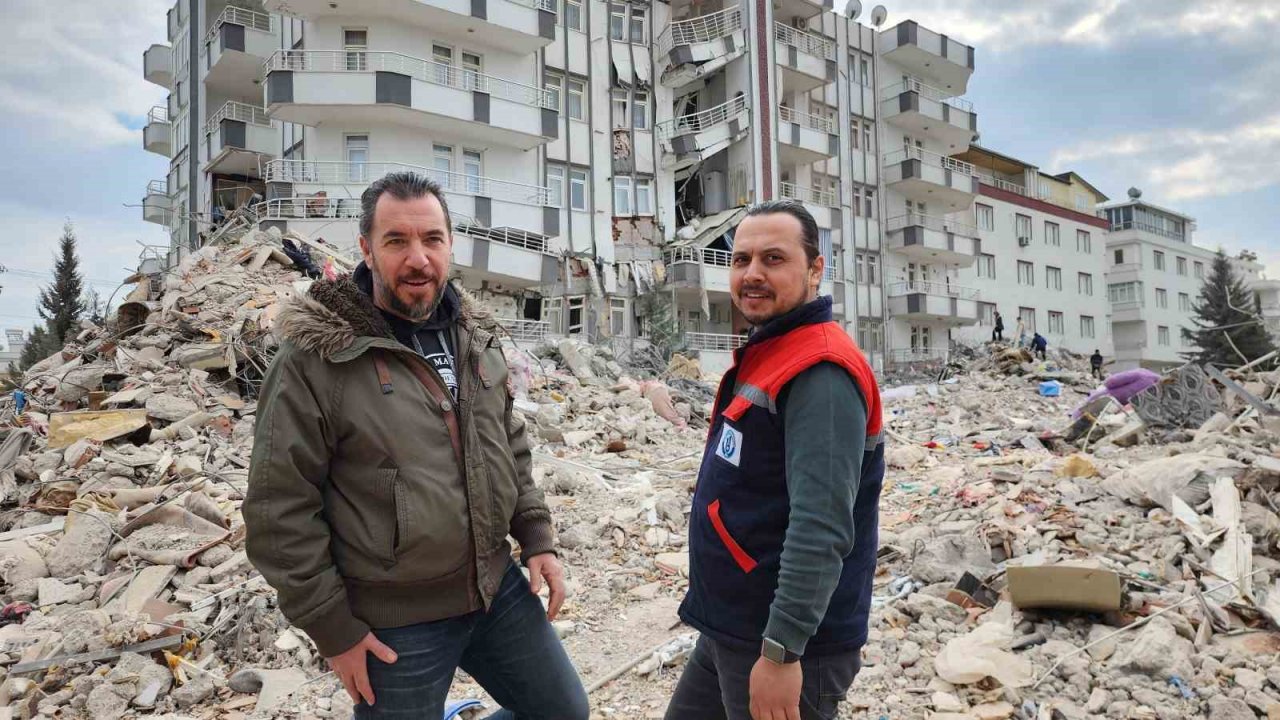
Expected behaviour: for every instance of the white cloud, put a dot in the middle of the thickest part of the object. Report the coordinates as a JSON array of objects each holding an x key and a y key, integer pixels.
[{"x": 71, "y": 70}]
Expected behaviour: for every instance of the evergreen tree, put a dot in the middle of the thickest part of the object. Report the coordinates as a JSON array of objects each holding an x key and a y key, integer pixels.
[
  {"x": 39, "y": 346},
  {"x": 62, "y": 304},
  {"x": 1226, "y": 309}
]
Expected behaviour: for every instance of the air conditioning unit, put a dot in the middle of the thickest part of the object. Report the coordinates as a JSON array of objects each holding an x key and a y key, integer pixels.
[
  {"x": 800, "y": 23},
  {"x": 1024, "y": 242}
]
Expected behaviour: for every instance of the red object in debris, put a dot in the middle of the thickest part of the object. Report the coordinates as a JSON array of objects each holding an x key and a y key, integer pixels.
[
  {"x": 932, "y": 445},
  {"x": 14, "y": 612},
  {"x": 982, "y": 445},
  {"x": 329, "y": 272}
]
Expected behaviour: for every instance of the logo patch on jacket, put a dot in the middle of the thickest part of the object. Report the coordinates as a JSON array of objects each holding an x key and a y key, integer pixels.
[{"x": 729, "y": 446}]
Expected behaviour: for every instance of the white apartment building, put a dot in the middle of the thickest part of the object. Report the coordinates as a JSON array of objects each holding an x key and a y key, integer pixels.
[
  {"x": 11, "y": 343},
  {"x": 1041, "y": 257}
]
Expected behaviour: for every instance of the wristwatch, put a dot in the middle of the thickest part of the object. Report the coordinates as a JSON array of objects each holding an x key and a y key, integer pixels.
[{"x": 773, "y": 651}]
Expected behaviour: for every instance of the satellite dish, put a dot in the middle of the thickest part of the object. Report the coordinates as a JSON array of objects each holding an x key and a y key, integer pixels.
[
  {"x": 853, "y": 9},
  {"x": 1134, "y": 193},
  {"x": 878, "y": 15}
]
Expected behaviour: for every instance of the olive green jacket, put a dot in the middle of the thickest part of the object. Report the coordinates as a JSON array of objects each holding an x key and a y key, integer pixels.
[{"x": 358, "y": 512}]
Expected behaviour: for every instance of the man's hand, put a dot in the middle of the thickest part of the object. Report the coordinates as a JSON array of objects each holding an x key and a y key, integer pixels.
[
  {"x": 548, "y": 566},
  {"x": 775, "y": 690},
  {"x": 352, "y": 669}
]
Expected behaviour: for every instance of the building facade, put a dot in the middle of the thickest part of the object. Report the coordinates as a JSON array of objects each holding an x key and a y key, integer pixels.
[{"x": 11, "y": 343}]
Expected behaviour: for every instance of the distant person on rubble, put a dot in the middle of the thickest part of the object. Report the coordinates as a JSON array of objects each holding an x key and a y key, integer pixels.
[
  {"x": 388, "y": 470},
  {"x": 783, "y": 532},
  {"x": 1038, "y": 345},
  {"x": 998, "y": 333},
  {"x": 1095, "y": 364}
]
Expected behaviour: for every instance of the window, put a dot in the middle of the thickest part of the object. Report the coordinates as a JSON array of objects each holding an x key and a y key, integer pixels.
[
  {"x": 1051, "y": 236},
  {"x": 855, "y": 126},
  {"x": 985, "y": 215},
  {"x": 640, "y": 110},
  {"x": 578, "y": 189},
  {"x": 553, "y": 314},
  {"x": 1044, "y": 188},
  {"x": 644, "y": 196},
  {"x": 1084, "y": 283},
  {"x": 357, "y": 149},
  {"x": 622, "y": 196},
  {"x": 1184, "y": 302},
  {"x": 1028, "y": 317},
  {"x": 1119, "y": 257},
  {"x": 555, "y": 185},
  {"x": 866, "y": 268},
  {"x": 1162, "y": 298},
  {"x": 617, "y": 26},
  {"x": 1159, "y": 257},
  {"x": 555, "y": 85},
  {"x": 573, "y": 14},
  {"x": 473, "y": 168},
  {"x": 1082, "y": 202},
  {"x": 987, "y": 266},
  {"x": 637, "y": 25},
  {"x": 866, "y": 137},
  {"x": 573, "y": 99},
  {"x": 1026, "y": 273},
  {"x": 472, "y": 68},
  {"x": 1199, "y": 268},
  {"x": 920, "y": 337},
  {"x": 1086, "y": 326},
  {"x": 1022, "y": 225},
  {"x": 1056, "y": 325},
  {"x": 866, "y": 72},
  {"x": 577, "y": 314},
  {"x": 870, "y": 335},
  {"x": 355, "y": 42},
  {"x": 1053, "y": 278},
  {"x": 1129, "y": 292},
  {"x": 617, "y": 317},
  {"x": 986, "y": 313},
  {"x": 442, "y": 163},
  {"x": 869, "y": 200},
  {"x": 1182, "y": 266},
  {"x": 618, "y": 105},
  {"x": 1162, "y": 335},
  {"x": 1084, "y": 242}
]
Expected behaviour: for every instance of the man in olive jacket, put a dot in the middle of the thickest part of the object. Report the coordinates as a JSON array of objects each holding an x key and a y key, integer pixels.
[{"x": 388, "y": 470}]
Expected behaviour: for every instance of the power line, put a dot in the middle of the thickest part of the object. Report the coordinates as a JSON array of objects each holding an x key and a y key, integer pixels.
[{"x": 36, "y": 275}]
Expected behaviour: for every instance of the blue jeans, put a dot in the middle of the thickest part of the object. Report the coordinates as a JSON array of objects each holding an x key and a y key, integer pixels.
[
  {"x": 511, "y": 650},
  {"x": 715, "y": 684}
]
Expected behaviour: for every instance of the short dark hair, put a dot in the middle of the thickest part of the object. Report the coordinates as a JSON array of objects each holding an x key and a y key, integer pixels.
[
  {"x": 796, "y": 209},
  {"x": 402, "y": 186}
]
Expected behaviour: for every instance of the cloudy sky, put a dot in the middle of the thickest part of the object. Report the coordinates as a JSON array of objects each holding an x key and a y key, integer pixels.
[{"x": 1171, "y": 96}]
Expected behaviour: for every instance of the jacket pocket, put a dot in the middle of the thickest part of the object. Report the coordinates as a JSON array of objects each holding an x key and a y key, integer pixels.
[
  {"x": 740, "y": 556},
  {"x": 390, "y": 492}
]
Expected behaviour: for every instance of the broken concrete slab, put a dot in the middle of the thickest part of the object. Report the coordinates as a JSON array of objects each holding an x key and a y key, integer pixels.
[
  {"x": 170, "y": 407},
  {"x": 84, "y": 543},
  {"x": 271, "y": 686},
  {"x": 101, "y": 425}
]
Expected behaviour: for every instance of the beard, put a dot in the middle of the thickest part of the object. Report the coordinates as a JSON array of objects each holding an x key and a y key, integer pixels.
[{"x": 416, "y": 312}]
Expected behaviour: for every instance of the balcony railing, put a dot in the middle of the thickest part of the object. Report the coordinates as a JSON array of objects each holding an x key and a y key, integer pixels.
[
  {"x": 911, "y": 355},
  {"x": 927, "y": 91},
  {"x": 522, "y": 330},
  {"x": 700, "y": 29},
  {"x": 158, "y": 187},
  {"x": 825, "y": 198},
  {"x": 1144, "y": 227},
  {"x": 831, "y": 271},
  {"x": 933, "y": 288},
  {"x": 816, "y": 45},
  {"x": 304, "y": 207},
  {"x": 930, "y": 158},
  {"x": 514, "y": 237},
  {"x": 996, "y": 182},
  {"x": 697, "y": 122},
  {"x": 336, "y": 172},
  {"x": 430, "y": 71},
  {"x": 251, "y": 19},
  {"x": 1125, "y": 267},
  {"x": 242, "y": 112},
  {"x": 697, "y": 255},
  {"x": 931, "y": 222},
  {"x": 713, "y": 342},
  {"x": 158, "y": 114},
  {"x": 813, "y": 122}
]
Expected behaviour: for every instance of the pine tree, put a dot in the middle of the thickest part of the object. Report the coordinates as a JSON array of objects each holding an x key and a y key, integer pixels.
[
  {"x": 1226, "y": 309},
  {"x": 39, "y": 346},
  {"x": 62, "y": 304}
]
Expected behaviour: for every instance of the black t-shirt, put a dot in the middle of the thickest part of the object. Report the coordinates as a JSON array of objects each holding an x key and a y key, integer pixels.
[{"x": 431, "y": 338}]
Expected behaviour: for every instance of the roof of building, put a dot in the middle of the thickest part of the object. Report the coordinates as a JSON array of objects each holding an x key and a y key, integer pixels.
[
  {"x": 1130, "y": 201},
  {"x": 1070, "y": 175}
]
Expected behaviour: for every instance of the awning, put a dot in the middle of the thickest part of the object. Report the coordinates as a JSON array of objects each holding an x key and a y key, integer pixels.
[
  {"x": 622, "y": 68},
  {"x": 642, "y": 71}
]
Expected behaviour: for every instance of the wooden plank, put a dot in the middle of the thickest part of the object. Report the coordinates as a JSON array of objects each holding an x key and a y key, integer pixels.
[{"x": 163, "y": 643}]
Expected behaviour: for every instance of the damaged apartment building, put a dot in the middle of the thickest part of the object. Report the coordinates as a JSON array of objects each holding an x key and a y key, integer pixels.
[{"x": 596, "y": 156}]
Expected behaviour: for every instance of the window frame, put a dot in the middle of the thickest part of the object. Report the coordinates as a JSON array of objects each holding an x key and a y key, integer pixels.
[
  {"x": 554, "y": 83},
  {"x": 1060, "y": 324},
  {"x": 640, "y": 109},
  {"x": 624, "y": 190},
  {"x": 647, "y": 185},
  {"x": 1091, "y": 329},
  {"x": 1053, "y": 278},
  {"x": 987, "y": 212},
  {"x": 1053, "y": 237},
  {"x": 1084, "y": 284},
  {"x": 569, "y": 96},
  {"x": 578, "y": 177},
  {"x": 555, "y": 184},
  {"x": 1027, "y": 269},
  {"x": 989, "y": 261},
  {"x": 576, "y": 15},
  {"x": 643, "y": 16},
  {"x": 1088, "y": 241}
]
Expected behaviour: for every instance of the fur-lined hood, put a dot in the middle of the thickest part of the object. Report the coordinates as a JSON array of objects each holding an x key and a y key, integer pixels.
[{"x": 335, "y": 313}]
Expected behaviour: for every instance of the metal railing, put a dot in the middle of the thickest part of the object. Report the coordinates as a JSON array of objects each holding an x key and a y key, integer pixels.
[
  {"x": 825, "y": 198},
  {"x": 507, "y": 236},
  {"x": 250, "y": 19},
  {"x": 930, "y": 158},
  {"x": 713, "y": 342},
  {"x": 933, "y": 288},
  {"x": 931, "y": 222},
  {"x": 699, "y": 121},
  {"x": 436, "y": 73},
  {"x": 813, "y": 122},
  {"x": 805, "y": 42},
  {"x": 158, "y": 187},
  {"x": 704, "y": 28},
  {"x": 996, "y": 182},
  {"x": 158, "y": 114},
  {"x": 1144, "y": 227},
  {"x": 337, "y": 172},
  {"x": 910, "y": 355},
  {"x": 832, "y": 271},
  {"x": 303, "y": 207},
  {"x": 927, "y": 91},
  {"x": 697, "y": 255},
  {"x": 242, "y": 112},
  {"x": 522, "y": 330}
]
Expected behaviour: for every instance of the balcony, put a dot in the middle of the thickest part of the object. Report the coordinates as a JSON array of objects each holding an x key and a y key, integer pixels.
[
  {"x": 811, "y": 196},
  {"x": 924, "y": 53},
  {"x": 1124, "y": 272},
  {"x": 713, "y": 342},
  {"x": 804, "y": 139},
  {"x": 807, "y": 60},
  {"x": 950, "y": 304},
  {"x": 516, "y": 26},
  {"x": 344, "y": 88},
  {"x": 697, "y": 136},
  {"x": 697, "y": 46},
  {"x": 1124, "y": 311},
  {"x": 157, "y": 134},
  {"x": 526, "y": 331},
  {"x": 238, "y": 137},
  {"x": 156, "y": 204},
  {"x": 695, "y": 268},
  {"x": 802, "y": 8},
  {"x": 908, "y": 356},
  {"x": 931, "y": 239},
  {"x": 923, "y": 110},
  {"x": 1007, "y": 185},
  {"x": 931, "y": 178},
  {"x": 237, "y": 43},
  {"x": 157, "y": 65},
  {"x": 491, "y": 201}
]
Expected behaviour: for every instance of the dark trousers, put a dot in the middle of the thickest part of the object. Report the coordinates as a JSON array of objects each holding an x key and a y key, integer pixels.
[
  {"x": 1096, "y": 371},
  {"x": 1040, "y": 352},
  {"x": 997, "y": 334},
  {"x": 512, "y": 651},
  {"x": 715, "y": 684}
]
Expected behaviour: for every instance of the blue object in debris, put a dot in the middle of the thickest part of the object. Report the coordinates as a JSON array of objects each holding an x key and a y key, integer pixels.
[
  {"x": 1181, "y": 685},
  {"x": 1050, "y": 388},
  {"x": 454, "y": 709},
  {"x": 19, "y": 400}
]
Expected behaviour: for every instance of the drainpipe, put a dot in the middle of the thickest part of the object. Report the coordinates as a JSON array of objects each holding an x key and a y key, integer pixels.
[
  {"x": 881, "y": 200},
  {"x": 193, "y": 124}
]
